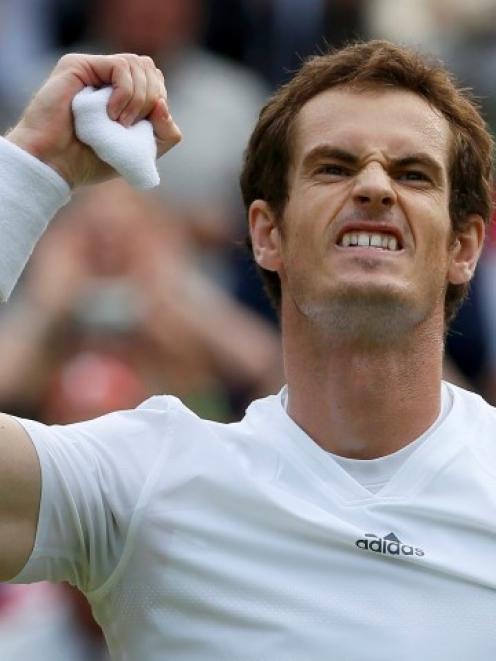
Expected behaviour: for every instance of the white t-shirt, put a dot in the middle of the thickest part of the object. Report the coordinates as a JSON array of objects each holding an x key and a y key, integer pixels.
[
  {"x": 195, "y": 540},
  {"x": 373, "y": 474}
]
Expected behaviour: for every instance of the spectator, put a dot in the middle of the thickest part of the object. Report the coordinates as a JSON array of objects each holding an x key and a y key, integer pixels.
[{"x": 114, "y": 276}]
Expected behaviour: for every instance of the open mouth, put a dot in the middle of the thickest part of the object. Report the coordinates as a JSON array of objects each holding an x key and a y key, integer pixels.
[{"x": 378, "y": 240}]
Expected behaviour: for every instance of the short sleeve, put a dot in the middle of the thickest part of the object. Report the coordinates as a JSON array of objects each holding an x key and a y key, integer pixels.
[{"x": 93, "y": 475}]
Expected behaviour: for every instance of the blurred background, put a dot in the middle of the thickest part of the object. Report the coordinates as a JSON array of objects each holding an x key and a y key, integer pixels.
[{"x": 128, "y": 294}]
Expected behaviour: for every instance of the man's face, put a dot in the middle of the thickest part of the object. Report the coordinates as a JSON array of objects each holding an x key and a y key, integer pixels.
[{"x": 366, "y": 232}]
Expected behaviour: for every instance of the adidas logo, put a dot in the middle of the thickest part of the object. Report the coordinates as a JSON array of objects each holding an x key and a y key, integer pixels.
[{"x": 388, "y": 545}]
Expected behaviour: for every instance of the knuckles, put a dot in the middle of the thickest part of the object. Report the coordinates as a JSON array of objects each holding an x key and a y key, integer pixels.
[
  {"x": 130, "y": 69},
  {"x": 119, "y": 60},
  {"x": 68, "y": 60},
  {"x": 147, "y": 61}
]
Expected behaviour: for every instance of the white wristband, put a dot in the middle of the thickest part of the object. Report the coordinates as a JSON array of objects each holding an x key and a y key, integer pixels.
[{"x": 31, "y": 193}]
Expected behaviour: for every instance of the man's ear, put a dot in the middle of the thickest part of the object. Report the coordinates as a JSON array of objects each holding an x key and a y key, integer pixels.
[
  {"x": 265, "y": 235},
  {"x": 465, "y": 251}
]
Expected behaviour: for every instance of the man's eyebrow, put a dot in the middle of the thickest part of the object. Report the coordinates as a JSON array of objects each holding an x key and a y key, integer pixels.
[{"x": 321, "y": 152}]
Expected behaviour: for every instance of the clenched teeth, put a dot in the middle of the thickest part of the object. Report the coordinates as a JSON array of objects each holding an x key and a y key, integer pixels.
[{"x": 366, "y": 239}]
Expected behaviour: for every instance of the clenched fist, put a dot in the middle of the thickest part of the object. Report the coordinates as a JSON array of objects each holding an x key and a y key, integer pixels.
[{"x": 46, "y": 129}]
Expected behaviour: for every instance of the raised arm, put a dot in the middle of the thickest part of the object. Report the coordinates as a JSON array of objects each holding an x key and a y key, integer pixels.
[
  {"x": 46, "y": 132},
  {"x": 20, "y": 488}
]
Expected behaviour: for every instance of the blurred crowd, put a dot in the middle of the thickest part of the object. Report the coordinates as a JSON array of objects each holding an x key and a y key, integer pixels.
[{"x": 132, "y": 294}]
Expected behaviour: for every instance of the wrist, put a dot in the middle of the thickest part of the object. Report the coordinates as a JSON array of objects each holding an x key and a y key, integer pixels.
[{"x": 27, "y": 140}]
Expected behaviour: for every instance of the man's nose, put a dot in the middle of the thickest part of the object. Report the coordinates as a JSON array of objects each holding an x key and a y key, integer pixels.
[{"x": 373, "y": 188}]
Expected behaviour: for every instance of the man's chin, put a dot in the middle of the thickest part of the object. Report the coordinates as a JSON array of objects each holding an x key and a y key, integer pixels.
[{"x": 376, "y": 316}]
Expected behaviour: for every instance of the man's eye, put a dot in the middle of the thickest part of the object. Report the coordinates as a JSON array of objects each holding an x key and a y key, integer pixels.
[
  {"x": 333, "y": 170},
  {"x": 413, "y": 175}
]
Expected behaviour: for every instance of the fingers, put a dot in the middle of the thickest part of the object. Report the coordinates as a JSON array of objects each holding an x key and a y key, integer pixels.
[
  {"x": 138, "y": 103},
  {"x": 138, "y": 90},
  {"x": 123, "y": 84},
  {"x": 167, "y": 133},
  {"x": 140, "y": 93},
  {"x": 155, "y": 87},
  {"x": 138, "y": 84}
]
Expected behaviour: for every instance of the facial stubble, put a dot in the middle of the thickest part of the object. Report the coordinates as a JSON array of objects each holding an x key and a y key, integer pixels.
[{"x": 369, "y": 315}]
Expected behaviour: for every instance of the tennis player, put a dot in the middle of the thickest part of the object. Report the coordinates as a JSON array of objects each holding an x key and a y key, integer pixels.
[{"x": 351, "y": 516}]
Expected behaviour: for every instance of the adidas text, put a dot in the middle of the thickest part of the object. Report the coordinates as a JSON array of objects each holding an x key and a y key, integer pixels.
[{"x": 388, "y": 545}]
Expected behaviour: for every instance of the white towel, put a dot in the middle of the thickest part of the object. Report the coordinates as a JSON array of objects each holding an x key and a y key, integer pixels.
[{"x": 131, "y": 151}]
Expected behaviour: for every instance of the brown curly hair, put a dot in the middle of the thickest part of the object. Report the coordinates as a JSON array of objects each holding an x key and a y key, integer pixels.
[{"x": 366, "y": 65}]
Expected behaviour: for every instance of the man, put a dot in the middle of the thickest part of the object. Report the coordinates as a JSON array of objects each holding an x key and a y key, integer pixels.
[{"x": 352, "y": 515}]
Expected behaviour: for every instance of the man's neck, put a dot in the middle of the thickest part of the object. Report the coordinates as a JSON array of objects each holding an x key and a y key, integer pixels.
[{"x": 362, "y": 402}]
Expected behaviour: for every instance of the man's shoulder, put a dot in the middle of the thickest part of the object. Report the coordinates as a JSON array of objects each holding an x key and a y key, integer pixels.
[
  {"x": 133, "y": 437},
  {"x": 175, "y": 422},
  {"x": 161, "y": 429},
  {"x": 475, "y": 419},
  {"x": 468, "y": 402}
]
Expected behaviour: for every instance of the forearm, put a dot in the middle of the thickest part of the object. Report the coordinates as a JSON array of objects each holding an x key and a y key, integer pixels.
[{"x": 31, "y": 193}]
